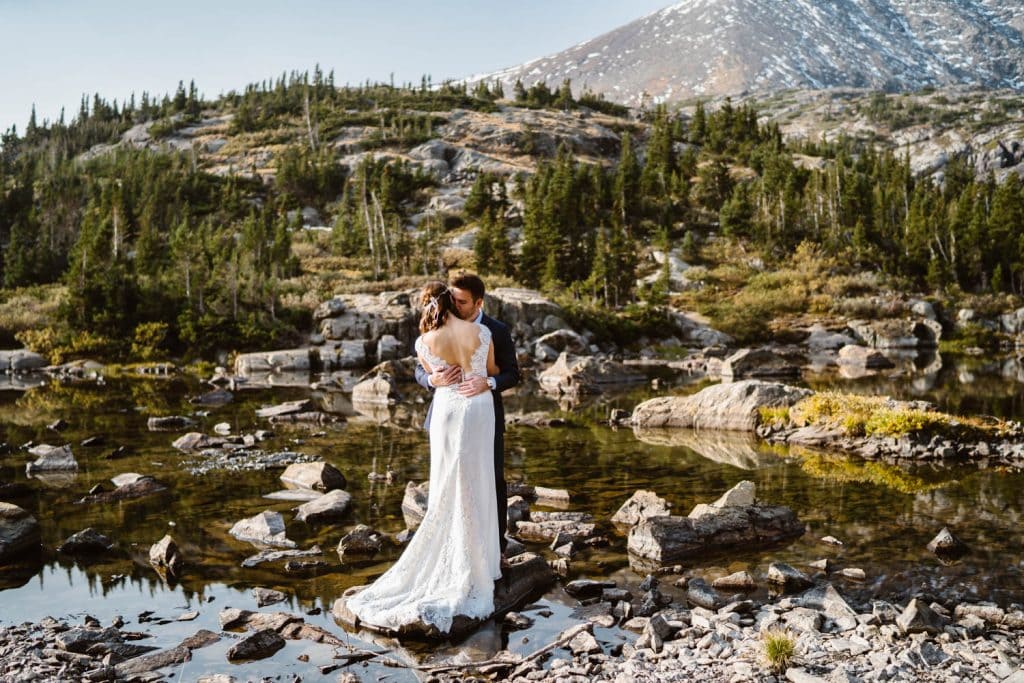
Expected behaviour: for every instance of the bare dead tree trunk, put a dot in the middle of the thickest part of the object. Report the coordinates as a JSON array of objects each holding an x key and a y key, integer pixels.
[
  {"x": 369, "y": 229},
  {"x": 309, "y": 122}
]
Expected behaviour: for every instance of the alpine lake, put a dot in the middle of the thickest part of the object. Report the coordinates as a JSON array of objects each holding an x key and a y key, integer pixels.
[{"x": 885, "y": 515}]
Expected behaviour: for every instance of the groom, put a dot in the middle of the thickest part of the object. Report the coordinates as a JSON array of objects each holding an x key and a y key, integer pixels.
[{"x": 468, "y": 292}]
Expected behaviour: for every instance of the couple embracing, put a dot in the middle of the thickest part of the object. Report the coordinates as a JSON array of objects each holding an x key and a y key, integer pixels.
[{"x": 449, "y": 567}]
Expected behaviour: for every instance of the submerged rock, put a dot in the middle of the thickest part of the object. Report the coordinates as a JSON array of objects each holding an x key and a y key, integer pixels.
[{"x": 85, "y": 542}]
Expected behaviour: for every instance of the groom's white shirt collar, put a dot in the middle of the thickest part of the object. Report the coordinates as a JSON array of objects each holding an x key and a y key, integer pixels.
[{"x": 479, "y": 317}]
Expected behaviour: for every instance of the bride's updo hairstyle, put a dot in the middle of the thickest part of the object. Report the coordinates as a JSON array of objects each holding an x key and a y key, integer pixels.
[{"x": 437, "y": 303}]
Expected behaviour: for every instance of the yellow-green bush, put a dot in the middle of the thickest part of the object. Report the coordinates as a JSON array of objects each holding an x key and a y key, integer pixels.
[{"x": 148, "y": 341}]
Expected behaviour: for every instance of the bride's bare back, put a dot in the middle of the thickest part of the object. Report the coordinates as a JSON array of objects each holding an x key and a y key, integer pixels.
[{"x": 454, "y": 343}]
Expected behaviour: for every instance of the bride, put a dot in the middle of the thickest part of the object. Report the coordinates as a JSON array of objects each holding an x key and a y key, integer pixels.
[{"x": 451, "y": 563}]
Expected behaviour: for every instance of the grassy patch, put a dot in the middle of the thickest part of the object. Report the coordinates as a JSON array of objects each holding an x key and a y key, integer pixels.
[
  {"x": 28, "y": 308},
  {"x": 776, "y": 415},
  {"x": 881, "y": 416},
  {"x": 779, "y": 649}
]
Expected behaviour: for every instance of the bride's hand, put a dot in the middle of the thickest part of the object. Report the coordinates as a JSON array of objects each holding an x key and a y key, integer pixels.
[{"x": 474, "y": 385}]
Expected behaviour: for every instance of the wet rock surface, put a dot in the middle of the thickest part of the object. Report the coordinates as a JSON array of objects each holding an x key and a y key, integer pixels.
[{"x": 732, "y": 406}]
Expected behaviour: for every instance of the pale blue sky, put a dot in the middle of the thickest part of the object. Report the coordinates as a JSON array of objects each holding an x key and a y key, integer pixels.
[{"x": 52, "y": 51}]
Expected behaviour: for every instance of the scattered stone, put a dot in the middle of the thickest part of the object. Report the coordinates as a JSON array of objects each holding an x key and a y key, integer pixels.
[
  {"x": 330, "y": 506},
  {"x": 361, "y": 541},
  {"x": 698, "y": 592},
  {"x": 853, "y": 573},
  {"x": 788, "y": 577},
  {"x": 320, "y": 476},
  {"x": 51, "y": 459},
  {"x": 259, "y": 645},
  {"x": 267, "y": 528},
  {"x": 831, "y": 540},
  {"x": 165, "y": 555},
  {"x": 917, "y": 617}
]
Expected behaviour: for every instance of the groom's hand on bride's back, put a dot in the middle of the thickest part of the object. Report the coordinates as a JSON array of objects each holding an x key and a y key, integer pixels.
[
  {"x": 443, "y": 377},
  {"x": 474, "y": 385}
]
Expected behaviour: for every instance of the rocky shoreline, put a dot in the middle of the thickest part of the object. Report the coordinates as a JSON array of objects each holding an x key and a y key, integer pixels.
[{"x": 618, "y": 639}]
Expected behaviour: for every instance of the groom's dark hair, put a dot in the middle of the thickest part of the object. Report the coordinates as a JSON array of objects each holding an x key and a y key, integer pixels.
[{"x": 469, "y": 282}]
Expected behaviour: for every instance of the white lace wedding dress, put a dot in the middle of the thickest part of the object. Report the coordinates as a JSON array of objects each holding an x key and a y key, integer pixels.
[{"x": 451, "y": 563}]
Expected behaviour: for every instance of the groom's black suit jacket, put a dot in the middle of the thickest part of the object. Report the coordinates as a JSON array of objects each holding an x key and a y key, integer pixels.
[{"x": 508, "y": 370}]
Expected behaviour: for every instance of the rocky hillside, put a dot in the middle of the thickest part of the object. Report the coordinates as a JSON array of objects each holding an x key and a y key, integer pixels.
[{"x": 707, "y": 48}]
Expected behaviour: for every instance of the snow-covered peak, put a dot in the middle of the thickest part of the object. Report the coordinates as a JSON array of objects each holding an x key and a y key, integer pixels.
[{"x": 709, "y": 48}]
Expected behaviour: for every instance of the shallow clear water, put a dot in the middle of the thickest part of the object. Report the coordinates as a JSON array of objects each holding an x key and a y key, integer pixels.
[{"x": 884, "y": 515}]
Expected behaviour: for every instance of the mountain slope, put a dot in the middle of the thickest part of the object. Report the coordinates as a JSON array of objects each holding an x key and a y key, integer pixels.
[{"x": 710, "y": 48}]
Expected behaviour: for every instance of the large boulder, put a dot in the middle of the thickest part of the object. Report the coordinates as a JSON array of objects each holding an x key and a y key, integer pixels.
[
  {"x": 523, "y": 310},
  {"x": 19, "y": 532},
  {"x": 759, "y": 363},
  {"x": 673, "y": 538},
  {"x": 574, "y": 375},
  {"x": 286, "y": 360},
  {"x": 898, "y": 333},
  {"x": 370, "y": 317},
  {"x": 345, "y": 354},
  {"x": 732, "y": 406}
]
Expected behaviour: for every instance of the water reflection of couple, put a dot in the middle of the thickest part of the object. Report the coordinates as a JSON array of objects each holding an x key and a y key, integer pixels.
[{"x": 450, "y": 565}]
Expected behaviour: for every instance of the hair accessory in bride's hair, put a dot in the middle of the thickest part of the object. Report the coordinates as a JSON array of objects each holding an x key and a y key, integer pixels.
[{"x": 433, "y": 303}]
